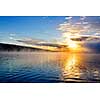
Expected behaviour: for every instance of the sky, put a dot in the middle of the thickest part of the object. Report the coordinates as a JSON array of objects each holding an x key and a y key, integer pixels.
[
  {"x": 39, "y": 27},
  {"x": 63, "y": 29}
]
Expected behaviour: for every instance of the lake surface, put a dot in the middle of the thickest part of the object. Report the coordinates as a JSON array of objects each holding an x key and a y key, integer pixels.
[{"x": 49, "y": 67}]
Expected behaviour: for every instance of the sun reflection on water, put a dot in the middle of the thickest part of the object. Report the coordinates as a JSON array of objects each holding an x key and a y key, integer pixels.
[
  {"x": 79, "y": 67},
  {"x": 70, "y": 66}
]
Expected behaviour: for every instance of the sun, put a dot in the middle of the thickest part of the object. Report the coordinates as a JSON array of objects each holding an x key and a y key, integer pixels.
[{"x": 73, "y": 45}]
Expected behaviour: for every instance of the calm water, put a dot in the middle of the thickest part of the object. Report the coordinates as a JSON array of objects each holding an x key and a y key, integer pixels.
[{"x": 49, "y": 67}]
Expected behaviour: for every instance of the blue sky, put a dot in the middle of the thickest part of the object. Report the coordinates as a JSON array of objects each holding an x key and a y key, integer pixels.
[{"x": 41, "y": 27}]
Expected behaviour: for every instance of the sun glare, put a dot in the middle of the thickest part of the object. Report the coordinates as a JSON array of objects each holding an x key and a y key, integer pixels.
[{"x": 73, "y": 45}]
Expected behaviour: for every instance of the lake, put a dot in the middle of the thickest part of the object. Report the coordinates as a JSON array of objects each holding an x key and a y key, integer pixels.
[{"x": 49, "y": 67}]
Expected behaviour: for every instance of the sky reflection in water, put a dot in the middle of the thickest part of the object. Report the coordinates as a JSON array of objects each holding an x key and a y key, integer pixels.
[{"x": 49, "y": 67}]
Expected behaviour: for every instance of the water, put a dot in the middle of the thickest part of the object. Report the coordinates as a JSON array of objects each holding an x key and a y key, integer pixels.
[{"x": 49, "y": 67}]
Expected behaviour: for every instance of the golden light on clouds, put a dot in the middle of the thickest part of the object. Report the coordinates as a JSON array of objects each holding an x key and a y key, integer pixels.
[
  {"x": 71, "y": 31},
  {"x": 73, "y": 45}
]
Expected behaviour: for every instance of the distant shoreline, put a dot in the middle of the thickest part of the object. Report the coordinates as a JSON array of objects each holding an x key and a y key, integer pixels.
[{"x": 17, "y": 48}]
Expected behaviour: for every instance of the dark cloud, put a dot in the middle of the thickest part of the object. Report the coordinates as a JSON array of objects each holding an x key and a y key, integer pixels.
[
  {"x": 86, "y": 38},
  {"x": 79, "y": 39},
  {"x": 51, "y": 44},
  {"x": 94, "y": 47},
  {"x": 38, "y": 42}
]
